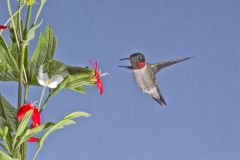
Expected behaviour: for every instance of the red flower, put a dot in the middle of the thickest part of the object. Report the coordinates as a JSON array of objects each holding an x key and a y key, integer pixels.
[
  {"x": 2, "y": 27},
  {"x": 33, "y": 139},
  {"x": 36, "y": 121},
  {"x": 96, "y": 79}
]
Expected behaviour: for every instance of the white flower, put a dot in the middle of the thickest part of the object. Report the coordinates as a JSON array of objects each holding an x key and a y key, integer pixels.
[{"x": 44, "y": 80}]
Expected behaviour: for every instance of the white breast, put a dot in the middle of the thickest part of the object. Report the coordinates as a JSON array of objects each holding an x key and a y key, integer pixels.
[{"x": 143, "y": 80}]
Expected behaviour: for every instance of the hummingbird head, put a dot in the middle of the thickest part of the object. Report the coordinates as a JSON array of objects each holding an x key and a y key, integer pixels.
[{"x": 137, "y": 60}]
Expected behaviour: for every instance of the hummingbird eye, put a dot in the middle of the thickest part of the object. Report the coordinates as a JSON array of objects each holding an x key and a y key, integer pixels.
[{"x": 140, "y": 58}]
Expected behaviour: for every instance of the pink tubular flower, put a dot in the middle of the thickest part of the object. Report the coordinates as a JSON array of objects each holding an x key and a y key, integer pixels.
[
  {"x": 2, "y": 27},
  {"x": 36, "y": 121},
  {"x": 96, "y": 79}
]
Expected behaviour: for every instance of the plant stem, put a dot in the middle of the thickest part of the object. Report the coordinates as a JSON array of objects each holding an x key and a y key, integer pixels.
[
  {"x": 26, "y": 93},
  {"x": 23, "y": 151},
  {"x": 23, "y": 72},
  {"x": 7, "y": 147},
  {"x": 14, "y": 26},
  {"x": 27, "y": 21},
  {"x": 21, "y": 77},
  {"x": 45, "y": 103},
  {"x": 42, "y": 95},
  {"x": 20, "y": 24},
  {"x": 11, "y": 17},
  {"x": 39, "y": 11}
]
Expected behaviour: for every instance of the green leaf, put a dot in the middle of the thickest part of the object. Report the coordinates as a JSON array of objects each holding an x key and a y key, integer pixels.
[
  {"x": 9, "y": 70},
  {"x": 67, "y": 120},
  {"x": 15, "y": 52},
  {"x": 18, "y": 31},
  {"x": 43, "y": 53},
  {"x": 31, "y": 132},
  {"x": 7, "y": 114},
  {"x": 4, "y": 156},
  {"x": 1, "y": 132},
  {"x": 23, "y": 124},
  {"x": 8, "y": 139},
  {"x": 79, "y": 89},
  {"x": 5, "y": 131},
  {"x": 2, "y": 122},
  {"x": 77, "y": 114},
  {"x": 76, "y": 79},
  {"x": 32, "y": 32},
  {"x": 54, "y": 67}
]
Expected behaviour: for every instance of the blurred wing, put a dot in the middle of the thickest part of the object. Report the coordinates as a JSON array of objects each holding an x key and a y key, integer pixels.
[{"x": 156, "y": 67}]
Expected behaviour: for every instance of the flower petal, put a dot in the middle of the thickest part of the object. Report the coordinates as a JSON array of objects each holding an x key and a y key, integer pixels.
[
  {"x": 41, "y": 82},
  {"x": 100, "y": 86},
  {"x": 36, "y": 121},
  {"x": 53, "y": 84},
  {"x": 97, "y": 76},
  {"x": 41, "y": 75},
  {"x": 2, "y": 27},
  {"x": 57, "y": 79},
  {"x": 104, "y": 74},
  {"x": 23, "y": 110},
  {"x": 33, "y": 139}
]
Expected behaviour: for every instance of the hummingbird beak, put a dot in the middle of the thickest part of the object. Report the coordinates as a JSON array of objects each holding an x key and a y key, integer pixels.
[
  {"x": 128, "y": 67},
  {"x": 124, "y": 59}
]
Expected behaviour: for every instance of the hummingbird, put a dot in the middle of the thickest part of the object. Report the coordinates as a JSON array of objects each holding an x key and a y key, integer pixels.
[{"x": 145, "y": 74}]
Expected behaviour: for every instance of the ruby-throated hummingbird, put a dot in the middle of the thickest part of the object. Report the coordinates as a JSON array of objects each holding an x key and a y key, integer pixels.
[{"x": 145, "y": 73}]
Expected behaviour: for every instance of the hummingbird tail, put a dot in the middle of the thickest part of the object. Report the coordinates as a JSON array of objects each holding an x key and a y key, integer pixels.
[{"x": 160, "y": 100}]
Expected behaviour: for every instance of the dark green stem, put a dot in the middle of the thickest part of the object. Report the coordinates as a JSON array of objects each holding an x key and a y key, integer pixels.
[
  {"x": 20, "y": 23},
  {"x": 21, "y": 77},
  {"x": 23, "y": 151},
  {"x": 26, "y": 93},
  {"x": 22, "y": 68},
  {"x": 39, "y": 11},
  {"x": 27, "y": 21}
]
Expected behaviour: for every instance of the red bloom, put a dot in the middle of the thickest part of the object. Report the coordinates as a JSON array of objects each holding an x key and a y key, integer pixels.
[
  {"x": 2, "y": 27},
  {"x": 36, "y": 121},
  {"x": 96, "y": 79},
  {"x": 33, "y": 139}
]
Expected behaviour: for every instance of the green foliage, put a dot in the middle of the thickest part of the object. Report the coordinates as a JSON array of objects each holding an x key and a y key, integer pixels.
[
  {"x": 16, "y": 66},
  {"x": 42, "y": 54},
  {"x": 23, "y": 124},
  {"x": 67, "y": 120},
  {"x": 31, "y": 34},
  {"x": 9, "y": 70},
  {"x": 4, "y": 156},
  {"x": 75, "y": 78},
  {"x": 31, "y": 132},
  {"x": 7, "y": 114}
]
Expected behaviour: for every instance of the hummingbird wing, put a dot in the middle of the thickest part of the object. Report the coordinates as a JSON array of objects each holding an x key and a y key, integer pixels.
[
  {"x": 159, "y": 98},
  {"x": 158, "y": 66}
]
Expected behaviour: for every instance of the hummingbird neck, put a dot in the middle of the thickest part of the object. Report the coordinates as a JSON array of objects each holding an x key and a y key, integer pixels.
[{"x": 140, "y": 65}]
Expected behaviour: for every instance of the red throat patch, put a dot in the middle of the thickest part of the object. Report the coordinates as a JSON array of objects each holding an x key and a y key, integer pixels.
[{"x": 140, "y": 64}]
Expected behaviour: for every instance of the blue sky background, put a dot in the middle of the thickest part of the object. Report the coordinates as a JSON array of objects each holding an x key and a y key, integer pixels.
[{"x": 201, "y": 121}]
